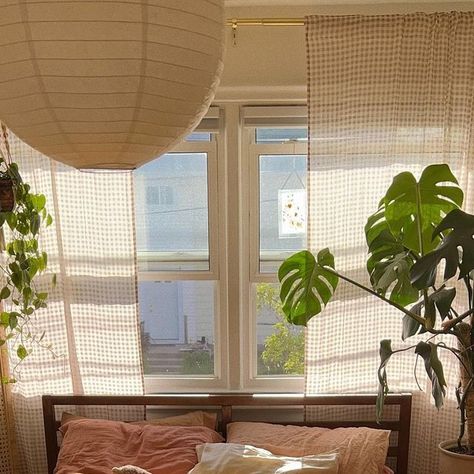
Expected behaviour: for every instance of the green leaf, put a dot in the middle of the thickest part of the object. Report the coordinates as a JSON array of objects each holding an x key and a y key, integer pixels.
[
  {"x": 14, "y": 173},
  {"x": 11, "y": 220},
  {"x": 49, "y": 220},
  {"x": 27, "y": 294},
  {"x": 17, "y": 279},
  {"x": 412, "y": 205},
  {"x": 412, "y": 327},
  {"x": 33, "y": 266},
  {"x": 389, "y": 262},
  {"x": 5, "y": 319},
  {"x": 5, "y": 293},
  {"x": 32, "y": 245},
  {"x": 44, "y": 261},
  {"x": 443, "y": 299},
  {"x": 423, "y": 273},
  {"x": 35, "y": 223},
  {"x": 23, "y": 228},
  {"x": 18, "y": 246},
  {"x": 306, "y": 285},
  {"x": 13, "y": 323},
  {"x": 21, "y": 352},
  {"x": 429, "y": 352},
  {"x": 440, "y": 301},
  {"x": 385, "y": 352},
  {"x": 3, "y": 218},
  {"x": 39, "y": 201}
]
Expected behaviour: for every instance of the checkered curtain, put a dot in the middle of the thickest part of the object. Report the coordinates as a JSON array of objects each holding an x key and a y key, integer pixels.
[
  {"x": 92, "y": 317},
  {"x": 385, "y": 94}
]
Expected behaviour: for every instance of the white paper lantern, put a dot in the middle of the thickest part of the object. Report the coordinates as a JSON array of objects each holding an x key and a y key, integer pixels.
[{"x": 106, "y": 83}]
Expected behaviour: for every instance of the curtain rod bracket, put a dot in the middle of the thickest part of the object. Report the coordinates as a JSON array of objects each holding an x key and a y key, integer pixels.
[{"x": 234, "y": 25}]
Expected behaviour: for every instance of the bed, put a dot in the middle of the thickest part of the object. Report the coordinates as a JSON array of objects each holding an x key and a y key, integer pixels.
[{"x": 234, "y": 407}]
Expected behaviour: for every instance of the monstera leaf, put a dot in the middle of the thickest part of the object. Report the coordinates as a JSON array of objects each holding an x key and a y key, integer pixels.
[
  {"x": 429, "y": 352},
  {"x": 413, "y": 209},
  {"x": 306, "y": 285},
  {"x": 389, "y": 262},
  {"x": 385, "y": 354},
  {"x": 438, "y": 302},
  {"x": 461, "y": 236}
]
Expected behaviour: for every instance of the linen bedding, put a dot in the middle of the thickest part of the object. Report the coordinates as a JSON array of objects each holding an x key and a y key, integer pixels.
[
  {"x": 192, "y": 446},
  {"x": 96, "y": 446}
]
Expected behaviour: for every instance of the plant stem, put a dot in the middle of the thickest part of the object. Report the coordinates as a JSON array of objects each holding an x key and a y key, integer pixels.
[
  {"x": 452, "y": 322},
  {"x": 414, "y": 316}
]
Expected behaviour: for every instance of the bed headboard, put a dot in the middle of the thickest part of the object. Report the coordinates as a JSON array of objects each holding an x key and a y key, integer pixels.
[{"x": 225, "y": 405}]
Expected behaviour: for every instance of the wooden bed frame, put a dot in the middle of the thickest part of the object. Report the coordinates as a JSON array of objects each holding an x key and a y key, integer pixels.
[{"x": 224, "y": 405}]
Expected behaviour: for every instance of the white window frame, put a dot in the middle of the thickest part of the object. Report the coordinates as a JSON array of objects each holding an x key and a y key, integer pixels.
[
  {"x": 283, "y": 117},
  {"x": 158, "y": 383},
  {"x": 233, "y": 197}
]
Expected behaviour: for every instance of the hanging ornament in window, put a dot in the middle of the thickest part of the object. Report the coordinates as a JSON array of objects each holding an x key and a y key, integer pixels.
[
  {"x": 292, "y": 213},
  {"x": 108, "y": 84}
]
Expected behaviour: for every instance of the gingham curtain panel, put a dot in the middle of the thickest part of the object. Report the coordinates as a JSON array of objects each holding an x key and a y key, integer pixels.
[
  {"x": 92, "y": 318},
  {"x": 385, "y": 94}
]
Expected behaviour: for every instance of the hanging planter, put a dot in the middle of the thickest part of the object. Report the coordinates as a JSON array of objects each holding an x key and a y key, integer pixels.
[
  {"x": 23, "y": 216},
  {"x": 108, "y": 84},
  {"x": 7, "y": 194}
]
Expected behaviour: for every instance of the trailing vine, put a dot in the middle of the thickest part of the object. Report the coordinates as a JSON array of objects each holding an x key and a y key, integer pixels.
[{"x": 23, "y": 261}]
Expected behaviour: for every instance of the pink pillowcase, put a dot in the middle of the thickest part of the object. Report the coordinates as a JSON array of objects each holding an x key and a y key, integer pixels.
[
  {"x": 362, "y": 450},
  {"x": 96, "y": 446}
]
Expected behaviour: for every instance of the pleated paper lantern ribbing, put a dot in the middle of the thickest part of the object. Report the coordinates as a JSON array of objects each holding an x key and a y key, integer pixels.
[{"x": 105, "y": 83}]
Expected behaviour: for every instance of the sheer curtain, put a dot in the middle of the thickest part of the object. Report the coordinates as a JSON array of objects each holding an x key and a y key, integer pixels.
[
  {"x": 385, "y": 94},
  {"x": 92, "y": 318}
]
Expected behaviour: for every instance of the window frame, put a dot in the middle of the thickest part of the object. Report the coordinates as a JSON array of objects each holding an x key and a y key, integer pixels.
[
  {"x": 251, "y": 273},
  {"x": 157, "y": 383},
  {"x": 234, "y": 237}
]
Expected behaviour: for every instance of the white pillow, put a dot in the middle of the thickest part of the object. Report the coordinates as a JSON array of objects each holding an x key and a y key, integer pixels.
[
  {"x": 129, "y": 469},
  {"x": 229, "y": 458}
]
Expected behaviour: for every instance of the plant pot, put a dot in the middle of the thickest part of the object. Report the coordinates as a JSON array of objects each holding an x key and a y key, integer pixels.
[
  {"x": 450, "y": 463},
  {"x": 7, "y": 196}
]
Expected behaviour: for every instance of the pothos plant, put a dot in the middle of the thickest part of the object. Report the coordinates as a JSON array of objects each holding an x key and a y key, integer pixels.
[
  {"x": 420, "y": 255},
  {"x": 21, "y": 264}
]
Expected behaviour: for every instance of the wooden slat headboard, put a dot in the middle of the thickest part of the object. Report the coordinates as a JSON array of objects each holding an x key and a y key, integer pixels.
[{"x": 224, "y": 404}]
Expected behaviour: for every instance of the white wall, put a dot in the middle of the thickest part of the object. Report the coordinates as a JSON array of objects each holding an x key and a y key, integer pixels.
[{"x": 268, "y": 63}]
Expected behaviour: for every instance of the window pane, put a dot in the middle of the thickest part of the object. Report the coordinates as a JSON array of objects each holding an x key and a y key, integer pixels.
[
  {"x": 199, "y": 137},
  {"x": 282, "y": 208},
  {"x": 172, "y": 213},
  {"x": 280, "y": 346},
  {"x": 281, "y": 135},
  {"x": 177, "y": 327}
]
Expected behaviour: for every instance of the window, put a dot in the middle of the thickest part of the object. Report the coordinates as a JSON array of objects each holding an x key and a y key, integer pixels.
[
  {"x": 178, "y": 287},
  {"x": 215, "y": 218},
  {"x": 277, "y": 228}
]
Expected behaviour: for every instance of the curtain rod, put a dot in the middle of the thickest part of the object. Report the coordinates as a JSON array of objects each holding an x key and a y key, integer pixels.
[{"x": 235, "y": 22}]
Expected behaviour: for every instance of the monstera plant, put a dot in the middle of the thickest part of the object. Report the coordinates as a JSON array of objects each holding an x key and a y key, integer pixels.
[
  {"x": 420, "y": 256},
  {"x": 22, "y": 263}
]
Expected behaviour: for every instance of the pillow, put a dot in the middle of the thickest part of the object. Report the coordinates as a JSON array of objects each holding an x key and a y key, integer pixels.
[
  {"x": 96, "y": 446},
  {"x": 193, "y": 418},
  {"x": 362, "y": 450},
  {"x": 241, "y": 459},
  {"x": 129, "y": 469}
]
